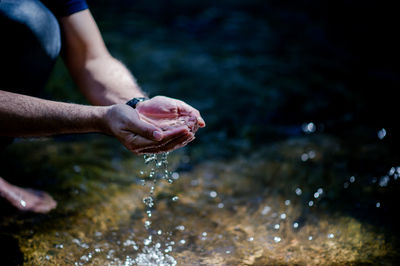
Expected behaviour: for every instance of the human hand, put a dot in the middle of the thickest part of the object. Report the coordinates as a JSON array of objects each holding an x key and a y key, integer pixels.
[
  {"x": 123, "y": 122},
  {"x": 169, "y": 113}
]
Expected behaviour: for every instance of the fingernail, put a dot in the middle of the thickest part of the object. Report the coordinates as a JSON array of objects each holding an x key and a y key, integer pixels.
[
  {"x": 201, "y": 122},
  {"x": 157, "y": 135}
]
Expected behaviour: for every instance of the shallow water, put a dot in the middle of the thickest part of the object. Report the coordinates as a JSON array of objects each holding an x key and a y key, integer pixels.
[{"x": 248, "y": 210}]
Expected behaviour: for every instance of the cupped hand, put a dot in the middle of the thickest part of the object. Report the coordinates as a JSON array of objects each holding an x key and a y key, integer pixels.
[
  {"x": 140, "y": 136},
  {"x": 169, "y": 113}
]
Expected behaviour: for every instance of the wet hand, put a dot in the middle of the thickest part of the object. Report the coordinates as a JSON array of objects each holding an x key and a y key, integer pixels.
[
  {"x": 140, "y": 136},
  {"x": 168, "y": 113}
]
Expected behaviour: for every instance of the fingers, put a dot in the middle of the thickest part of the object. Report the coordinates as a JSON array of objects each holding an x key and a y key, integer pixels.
[
  {"x": 146, "y": 129},
  {"x": 185, "y": 109},
  {"x": 172, "y": 145},
  {"x": 137, "y": 142}
]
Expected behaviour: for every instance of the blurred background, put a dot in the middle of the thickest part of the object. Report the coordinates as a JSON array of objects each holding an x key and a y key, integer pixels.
[{"x": 302, "y": 92}]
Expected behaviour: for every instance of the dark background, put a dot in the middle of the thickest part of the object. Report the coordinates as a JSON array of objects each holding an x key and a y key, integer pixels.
[{"x": 257, "y": 70}]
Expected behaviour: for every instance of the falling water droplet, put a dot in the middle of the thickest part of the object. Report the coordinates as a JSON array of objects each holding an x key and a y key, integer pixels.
[{"x": 382, "y": 133}]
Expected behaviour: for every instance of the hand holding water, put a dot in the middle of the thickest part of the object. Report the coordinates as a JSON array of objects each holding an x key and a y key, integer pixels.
[
  {"x": 170, "y": 114},
  {"x": 160, "y": 124}
]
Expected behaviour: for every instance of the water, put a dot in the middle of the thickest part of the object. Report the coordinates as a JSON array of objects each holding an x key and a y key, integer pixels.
[
  {"x": 251, "y": 209},
  {"x": 153, "y": 253}
]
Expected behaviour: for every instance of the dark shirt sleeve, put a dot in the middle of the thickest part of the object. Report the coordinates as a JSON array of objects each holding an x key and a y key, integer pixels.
[{"x": 62, "y": 8}]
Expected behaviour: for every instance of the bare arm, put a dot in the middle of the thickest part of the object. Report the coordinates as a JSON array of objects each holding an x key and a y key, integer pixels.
[
  {"x": 25, "y": 116},
  {"x": 101, "y": 78}
]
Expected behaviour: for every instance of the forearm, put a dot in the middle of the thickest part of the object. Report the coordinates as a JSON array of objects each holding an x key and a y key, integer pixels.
[
  {"x": 105, "y": 81},
  {"x": 101, "y": 78},
  {"x": 25, "y": 116}
]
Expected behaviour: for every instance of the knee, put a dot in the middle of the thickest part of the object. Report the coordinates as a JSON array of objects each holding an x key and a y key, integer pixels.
[{"x": 37, "y": 22}]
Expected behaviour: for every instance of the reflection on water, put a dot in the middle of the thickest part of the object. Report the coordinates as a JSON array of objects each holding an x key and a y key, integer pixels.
[{"x": 268, "y": 207}]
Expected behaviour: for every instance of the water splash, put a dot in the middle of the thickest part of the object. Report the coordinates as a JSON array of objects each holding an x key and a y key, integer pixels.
[{"x": 155, "y": 254}]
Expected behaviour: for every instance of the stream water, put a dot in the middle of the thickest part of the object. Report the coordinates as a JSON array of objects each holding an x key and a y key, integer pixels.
[{"x": 268, "y": 207}]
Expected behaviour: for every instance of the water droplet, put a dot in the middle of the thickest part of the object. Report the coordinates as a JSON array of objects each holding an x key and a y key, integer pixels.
[
  {"x": 310, "y": 238},
  {"x": 182, "y": 241},
  {"x": 250, "y": 239},
  {"x": 180, "y": 227},
  {"x": 266, "y": 210},
  {"x": 276, "y": 226},
  {"x": 298, "y": 191},
  {"x": 148, "y": 201},
  {"x": 383, "y": 182},
  {"x": 378, "y": 204},
  {"x": 311, "y": 154},
  {"x": 213, "y": 194},
  {"x": 304, "y": 157},
  {"x": 175, "y": 175},
  {"x": 382, "y": 133},
  {"x": 287, "y": 202},
  {"x": 308, "y": 127},
  {"x": 204, "y": 234},
  {"x": 147, "y": 224},
  {"x": 277, "y": 239},
  {"x": 77, "y": 168},
  {"x": 159, "y": 232},
  {"x": 331, "y": 236},
  {"x": 310, "y": 203},
  {"x": 320, "y": 190},
  {"x": 392, "y": 171},
  {"x": 147, "y": 241},
  {"x": 295, "y": 225},
  {"x": 283, "y": 216},
  {"x": 352, "y": 179},
  {"x": 175, "y": 198},
  {"x": 23, "y": 203},
  {"x": 316, "y": 195},
  {"x": 228, "y": 252},
  {"x": 220, "y": 205}
]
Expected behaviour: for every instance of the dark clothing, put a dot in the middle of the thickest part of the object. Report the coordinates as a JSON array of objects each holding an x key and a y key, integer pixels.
[
  {"x": 61, "y": 8},
  {"x": 31, "y": 42}
]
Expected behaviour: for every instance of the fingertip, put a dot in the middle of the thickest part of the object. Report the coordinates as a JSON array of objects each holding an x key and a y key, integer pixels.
[
  {"x": 201, "y": 122},
  {"x": 158, "y": 135}
]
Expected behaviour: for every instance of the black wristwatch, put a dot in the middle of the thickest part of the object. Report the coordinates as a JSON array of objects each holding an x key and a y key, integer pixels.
[{"x": 132, "y": 103}]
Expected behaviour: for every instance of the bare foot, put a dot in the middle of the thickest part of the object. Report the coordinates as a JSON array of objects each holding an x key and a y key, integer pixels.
[{"x": 26, "y": 199}]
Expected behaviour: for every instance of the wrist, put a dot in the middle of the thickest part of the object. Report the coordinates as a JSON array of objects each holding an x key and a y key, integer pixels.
[{"x": 100, "y": 119}]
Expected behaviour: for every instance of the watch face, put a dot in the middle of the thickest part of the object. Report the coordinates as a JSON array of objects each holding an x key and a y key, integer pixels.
[{"x": 132, "y": 103}]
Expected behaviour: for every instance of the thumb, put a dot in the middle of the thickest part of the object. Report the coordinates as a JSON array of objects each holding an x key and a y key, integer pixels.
[{"x": 146, "y": 130}]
